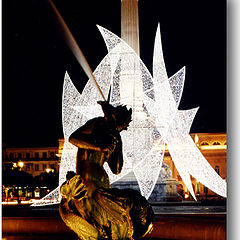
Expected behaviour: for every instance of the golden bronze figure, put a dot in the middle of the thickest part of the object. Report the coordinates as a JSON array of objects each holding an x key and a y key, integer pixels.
[{"x": 89, "y": 206}]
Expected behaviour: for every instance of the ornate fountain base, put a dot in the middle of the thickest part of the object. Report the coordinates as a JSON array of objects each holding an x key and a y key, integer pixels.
[{"x": 165, "y": 189}]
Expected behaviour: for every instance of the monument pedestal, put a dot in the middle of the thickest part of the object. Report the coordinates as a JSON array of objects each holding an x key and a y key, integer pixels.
[
  {"x": 165, "y": 189},
  {"x": 171, "y": 191}
]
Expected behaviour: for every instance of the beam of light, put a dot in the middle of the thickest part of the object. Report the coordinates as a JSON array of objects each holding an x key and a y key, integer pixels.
[
  {"x": 156, "y": 120},
  {"x": 72, "y": 44}
]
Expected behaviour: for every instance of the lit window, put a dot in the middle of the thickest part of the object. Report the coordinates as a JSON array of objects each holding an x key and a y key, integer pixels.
[
  {"x": 217, "y": 169},
  {"x": 36, "y": 167},
  {"x": 44, "y": 166},
  {"x": 52, "y": 155},
  {"x": 44, "y": 155},
  {"x": 28, "y": 167}
]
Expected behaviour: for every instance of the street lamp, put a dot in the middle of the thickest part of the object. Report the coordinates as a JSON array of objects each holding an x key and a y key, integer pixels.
[
  {"x": 48, "y": 170},
  {"x": 20, "y": 164},
  {"x": 14, "y": 165}
]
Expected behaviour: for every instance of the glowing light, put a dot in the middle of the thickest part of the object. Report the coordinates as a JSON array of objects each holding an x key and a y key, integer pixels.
[
  {"x": 48, "y": 170},
  {"x": 196, "y": 138},
  {"x": 20, "y": 164},
  {"x": 213, "y": 147},
  {"x": 10, "y": 203},
  {"x": 156, "y": 118},
  {"x": 149, "y": 230}
]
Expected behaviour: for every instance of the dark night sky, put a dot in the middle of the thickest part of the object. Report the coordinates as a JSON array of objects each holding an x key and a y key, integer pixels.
[{"x": 35, "y": 58}]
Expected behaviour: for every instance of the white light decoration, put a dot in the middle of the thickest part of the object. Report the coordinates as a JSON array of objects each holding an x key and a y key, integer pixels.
[
  {"x": 51, "y": 198},
  {"x": 156, "y": 120}
]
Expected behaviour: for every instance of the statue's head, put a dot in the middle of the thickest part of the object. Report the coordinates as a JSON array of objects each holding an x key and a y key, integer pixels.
[
  {"x": 70, "y": 174},
  {"x": 123, "y": 117},
  {"x": 120, "y": 114}
]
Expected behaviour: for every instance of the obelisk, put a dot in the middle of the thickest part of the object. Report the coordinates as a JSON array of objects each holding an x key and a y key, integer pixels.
[
  {"x": 166, "y": 188},
  {"x": 131, "y": 78},
  {"x": 130, "y": 23}
]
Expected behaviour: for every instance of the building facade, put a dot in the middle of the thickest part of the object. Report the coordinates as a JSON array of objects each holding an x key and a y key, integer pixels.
[
  {"x": 212, "y": 145},
  {"x": 33, "y": 160}
]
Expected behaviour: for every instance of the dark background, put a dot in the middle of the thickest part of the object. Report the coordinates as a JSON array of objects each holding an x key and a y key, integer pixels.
[{"x": 35, "y": 58}]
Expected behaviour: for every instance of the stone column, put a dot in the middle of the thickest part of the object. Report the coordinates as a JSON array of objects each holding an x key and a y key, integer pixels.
[
  {"x": 171, "y": 190},
  {"x": 130, "y": 23}
]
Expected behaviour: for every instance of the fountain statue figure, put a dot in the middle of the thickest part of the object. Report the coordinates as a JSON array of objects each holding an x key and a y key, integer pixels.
[{"x": 89, "y": 206}]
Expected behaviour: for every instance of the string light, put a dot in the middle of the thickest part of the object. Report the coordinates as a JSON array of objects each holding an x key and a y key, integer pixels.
[{"x": 156, "y": 120}]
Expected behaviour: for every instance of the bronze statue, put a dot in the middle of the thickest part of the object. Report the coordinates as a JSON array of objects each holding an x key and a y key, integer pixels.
[{"x": 89, "y": 206}]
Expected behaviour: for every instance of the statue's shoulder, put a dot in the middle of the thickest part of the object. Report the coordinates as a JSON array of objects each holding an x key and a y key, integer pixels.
[
  {"x": 90, "y": 126},
  {"x": 95, "y": 121}
]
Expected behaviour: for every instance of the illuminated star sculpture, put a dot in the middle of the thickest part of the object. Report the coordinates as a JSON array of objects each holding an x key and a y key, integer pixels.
[{"x": 156, "y": 120}]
